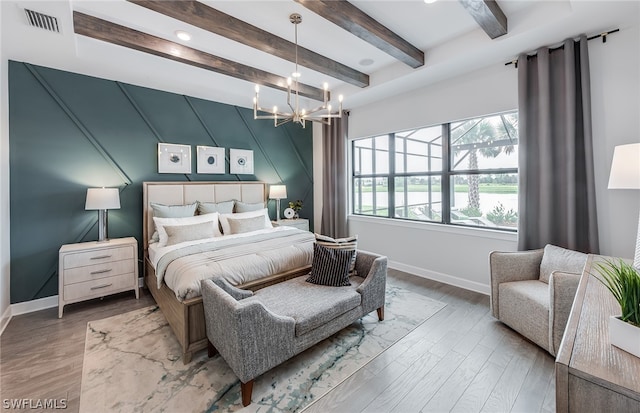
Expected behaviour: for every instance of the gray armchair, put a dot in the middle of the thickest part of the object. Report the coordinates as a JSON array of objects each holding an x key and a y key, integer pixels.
[{"x": 532, "y": 291}]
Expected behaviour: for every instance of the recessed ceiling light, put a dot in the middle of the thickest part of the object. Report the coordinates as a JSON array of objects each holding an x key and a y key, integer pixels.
[
  {"x": 430, "y": 1},
  {"x": 182, "y": 35},
  {"x": 366, "y": 62}
]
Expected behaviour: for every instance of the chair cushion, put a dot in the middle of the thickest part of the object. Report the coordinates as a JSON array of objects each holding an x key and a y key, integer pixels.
[
  {"x": 309, "y": 304},
  {"x": 524, "y": 306},
  {"x": 560, "y": 259}
]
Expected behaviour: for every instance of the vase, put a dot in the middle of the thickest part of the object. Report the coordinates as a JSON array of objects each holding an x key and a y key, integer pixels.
[
  {"x": 296, "y": 215},
  {"x": 624, "y": 335}
]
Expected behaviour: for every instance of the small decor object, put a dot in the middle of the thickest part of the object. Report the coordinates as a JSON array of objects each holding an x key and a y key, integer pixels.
[
  {"x": 241, "y": 161},
  {"x": 296, "y": 206},
  {"x": 277, "y": 192},
  {"x": 102, "y": 199},
  {"x": 289, "y": 213},
  {"x": 623, "y": 281},
  {"x": 174, "y": 159},
  {"x": 210, "y": 160}
]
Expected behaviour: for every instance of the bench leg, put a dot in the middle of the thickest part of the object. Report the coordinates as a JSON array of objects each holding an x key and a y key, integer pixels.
[
  {"x": 246, "y": 389},
  {"x": 380, "y": 313},
  {"x": 211, "y": 351}
]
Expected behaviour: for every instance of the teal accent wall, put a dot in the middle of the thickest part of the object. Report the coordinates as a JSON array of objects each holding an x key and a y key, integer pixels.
[{"x": 69, "y": 132}]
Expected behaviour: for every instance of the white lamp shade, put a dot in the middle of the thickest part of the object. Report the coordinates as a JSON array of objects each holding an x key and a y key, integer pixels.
[
  {"x": 278, "y": 191},
  {"x": 625, "y": 168},
  {"x": 102, "y": 198}
]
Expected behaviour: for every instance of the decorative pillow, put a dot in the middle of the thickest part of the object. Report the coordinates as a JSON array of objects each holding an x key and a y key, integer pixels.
[
  {"x": 560, "y": 259},
  {"x": 220, "y": 207},
  {"x": 349, "y": 243},
  {"x": 171, "y": 211},
  {"x": 330, "y": 266},
  {"x": 224, "y": 219},
  {"x": 240, "y": 225},
  {"x": 183, "y": 233},
  {"x": 197, "y": 219},
  {"x": 246, "y": 207}
]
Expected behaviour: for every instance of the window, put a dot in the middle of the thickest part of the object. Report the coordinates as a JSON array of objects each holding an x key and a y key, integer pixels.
[{"x": 463, "y": 173}]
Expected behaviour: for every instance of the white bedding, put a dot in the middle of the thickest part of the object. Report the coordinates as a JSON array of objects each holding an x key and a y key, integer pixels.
[{"x": 239, "y": 258}]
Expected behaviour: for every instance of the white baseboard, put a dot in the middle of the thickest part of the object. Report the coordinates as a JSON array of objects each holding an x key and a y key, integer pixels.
[
  {"x": 4, "y": 321},
  {"x": 443, "y": 278},
  {"x": 34, "y": 305}
]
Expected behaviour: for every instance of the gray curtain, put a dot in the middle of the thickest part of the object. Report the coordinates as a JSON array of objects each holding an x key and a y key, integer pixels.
[
  {"x": 334, "y": 170},
  {"x": 557, "y": 191}
]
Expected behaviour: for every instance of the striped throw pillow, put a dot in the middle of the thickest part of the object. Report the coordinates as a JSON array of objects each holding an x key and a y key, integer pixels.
[
  {"x": 330, "y": 266},
  {"x": 349, "y": 243}
]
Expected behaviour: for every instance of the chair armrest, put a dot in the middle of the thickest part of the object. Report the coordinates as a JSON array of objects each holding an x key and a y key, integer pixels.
[
  {"x": 373, "y": 268},
  {"x": 562, "y": 292},
  {"x": 512, "y": 266},
  {"x": 233, "y": 291},
  {"x": 249, "y": 337}
]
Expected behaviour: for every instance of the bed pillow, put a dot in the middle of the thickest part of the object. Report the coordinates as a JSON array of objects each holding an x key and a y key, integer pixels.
[
  {"x": 560, "y": 259},
  {"x": 220, "y": 207},
  {"x": 330, "y": 266},
  {"x": 247, "y": 207},
  {"x": 171, "y": 211},
  {"x": 177, "y": 234},
  {"x": 224, "y": 219},
  {"x": 349, "y": 243},
  {"x": 197, "y": 219},
  {"x": 240, "y": 225}
]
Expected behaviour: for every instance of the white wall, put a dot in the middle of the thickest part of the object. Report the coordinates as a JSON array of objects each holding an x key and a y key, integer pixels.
[
  {"x": 4, "y": 186},
  {"x": 459, "y": 256}
]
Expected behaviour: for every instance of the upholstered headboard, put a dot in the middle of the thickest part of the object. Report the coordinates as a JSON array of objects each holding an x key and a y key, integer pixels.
[{"x": 182, "y": 193}]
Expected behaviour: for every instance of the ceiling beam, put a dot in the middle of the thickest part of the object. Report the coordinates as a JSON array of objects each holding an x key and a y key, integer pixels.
[
  {"x": 355, "y": 21},
  {"x": 488, "y": 15},
  {"x": 99, "y": 29},
  {"x": 215, "y": 21}
]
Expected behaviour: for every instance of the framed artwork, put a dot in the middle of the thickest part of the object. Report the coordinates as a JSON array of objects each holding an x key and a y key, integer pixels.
[
  {"x": 241, "y": 161},
  {"x": 210, "y": 160},
  {"x": 174, "y": 159}
]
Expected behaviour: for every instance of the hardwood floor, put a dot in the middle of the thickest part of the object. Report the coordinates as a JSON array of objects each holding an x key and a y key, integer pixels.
[{"x": 460, "y": 360}]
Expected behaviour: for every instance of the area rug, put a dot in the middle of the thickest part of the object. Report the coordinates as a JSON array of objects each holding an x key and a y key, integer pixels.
[{"x": 132, "y": 363}]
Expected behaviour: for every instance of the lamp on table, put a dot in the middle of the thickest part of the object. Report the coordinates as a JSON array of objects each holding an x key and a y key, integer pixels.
[
  {"x": 102, "y": 200},
  {"x": 625, "y": 174},
  {"x": 277, "y": 192}
]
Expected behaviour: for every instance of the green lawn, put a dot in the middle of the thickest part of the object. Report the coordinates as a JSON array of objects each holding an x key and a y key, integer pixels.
[{"x": 484, "y": 188}]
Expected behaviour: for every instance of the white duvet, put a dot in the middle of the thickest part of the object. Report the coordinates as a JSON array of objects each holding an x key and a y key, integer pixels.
[{"x": 239, "y": 258}]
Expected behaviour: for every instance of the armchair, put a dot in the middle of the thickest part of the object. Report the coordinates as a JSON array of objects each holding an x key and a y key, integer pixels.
[{"x": 532, "y": 291}]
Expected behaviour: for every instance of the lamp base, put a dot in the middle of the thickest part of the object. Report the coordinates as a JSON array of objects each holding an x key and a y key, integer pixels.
[
  {"x": 103, "y": 220},
  {"x": 278, "y": 209}
]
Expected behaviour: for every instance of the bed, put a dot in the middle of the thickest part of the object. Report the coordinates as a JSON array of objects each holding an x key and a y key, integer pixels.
[{"x": 186, "y": 315}]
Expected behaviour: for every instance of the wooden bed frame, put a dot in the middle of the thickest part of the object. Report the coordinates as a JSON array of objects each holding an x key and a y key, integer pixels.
[{"x": 186, "y": 318}]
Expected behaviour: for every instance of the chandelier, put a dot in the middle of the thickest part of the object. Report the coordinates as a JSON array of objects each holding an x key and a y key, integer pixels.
[{"x": 321, "y": 113}]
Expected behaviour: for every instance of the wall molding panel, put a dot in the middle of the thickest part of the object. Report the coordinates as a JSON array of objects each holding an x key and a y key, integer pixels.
[{"x": 69, "y": 132}]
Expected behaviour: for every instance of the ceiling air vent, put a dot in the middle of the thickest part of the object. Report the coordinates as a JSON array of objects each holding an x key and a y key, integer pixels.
[{"x": 42, "y": 21}]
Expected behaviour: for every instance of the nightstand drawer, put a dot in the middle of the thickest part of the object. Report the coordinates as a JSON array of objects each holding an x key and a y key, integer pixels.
[
  {"x": 81, "y": 259},
  {"x": 98, "y": 288},
  {"x": 94, "y": 272}
]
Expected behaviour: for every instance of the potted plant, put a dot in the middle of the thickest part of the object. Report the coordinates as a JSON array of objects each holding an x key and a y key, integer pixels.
[
  {"x": 296, "y": 206},
  {"x": 623, "y": 281}
]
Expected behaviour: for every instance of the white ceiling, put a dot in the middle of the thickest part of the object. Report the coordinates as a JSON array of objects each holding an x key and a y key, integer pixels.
[{"x": 451, "y": 40}]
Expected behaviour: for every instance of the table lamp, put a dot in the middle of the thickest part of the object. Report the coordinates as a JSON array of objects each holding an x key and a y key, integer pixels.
[
  {"x": 625, "y": 174},
  {"x": 102, "y": 199},
  {"x": 278, "y": 192}
]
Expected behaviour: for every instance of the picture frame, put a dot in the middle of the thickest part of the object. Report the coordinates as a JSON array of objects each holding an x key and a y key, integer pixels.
[
  {"x": 241, "y": 161},
  {"x": 174, "y": 158},
  {"x": 210, "y": 160}
]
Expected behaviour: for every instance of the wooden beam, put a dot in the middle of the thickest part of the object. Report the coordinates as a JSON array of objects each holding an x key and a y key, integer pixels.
[
  {"x": 488, "y": 15},
  {"x": 123, "y": 36},
  {"x": 215, "y": 21},
  {"x": 355, "y": 21}
]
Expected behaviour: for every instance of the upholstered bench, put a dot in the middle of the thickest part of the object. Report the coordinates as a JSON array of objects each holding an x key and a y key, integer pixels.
[{"x": 256, "y": 331}]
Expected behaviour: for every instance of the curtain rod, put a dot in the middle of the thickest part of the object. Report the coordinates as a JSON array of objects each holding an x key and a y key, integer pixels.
[{"x": 596, "y": 36}]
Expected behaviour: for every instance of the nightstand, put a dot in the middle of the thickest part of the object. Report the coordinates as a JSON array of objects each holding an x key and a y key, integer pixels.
[
  {"x": 299, "y": 223},
  {"x": 94, "y": 269}
]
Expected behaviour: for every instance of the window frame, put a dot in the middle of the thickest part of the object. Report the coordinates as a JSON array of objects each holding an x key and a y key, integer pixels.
[{"x": 446, "y": 174}]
